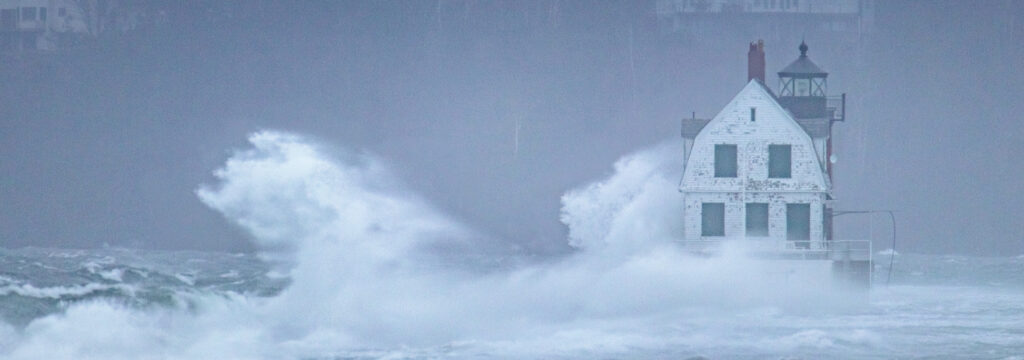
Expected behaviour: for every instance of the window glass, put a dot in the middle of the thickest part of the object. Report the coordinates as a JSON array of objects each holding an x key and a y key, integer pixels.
[
  {"x": 8, "y": 19},
  {"x": 757, "y": 219},
  {"x": 42, "y": 14},
  {"x": 779, "y": 161},
  {"x": 712, "y": 222},
  {"x": 818, "y": 87},
  {"x": 725, "y": 161},
  {"x": 798, "y": 224},
  {"x": 786, "y": 86},
  {"x": 28, "y": 13},
  {"x": 803, "y": 87}
]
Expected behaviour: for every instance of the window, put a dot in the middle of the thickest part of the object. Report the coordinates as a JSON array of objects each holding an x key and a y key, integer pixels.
[
  {"x": 798, "y": 224},
  {"x": 725, "y": 161},
  {"x": 779, "y": 161},
  {"x": 753, "y": 114},
  {"x": 8, "y": 19},
  {"x": 62, "y": 12},
  {"x": 42, "y": 14},
  {"x": 28, "y": 13},
  {"x": 818, "y": 87},
  {"x": 712, "y": 219},
  {"x": 757, "y": 219},
  {"x": 785, "y": 86},
  {"x": 803, "y": 87}
]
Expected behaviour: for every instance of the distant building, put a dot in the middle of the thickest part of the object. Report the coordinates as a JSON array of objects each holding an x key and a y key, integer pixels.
[
  {"x": 772, "y": 19},
  {"x": 38, "y": 24},
  {"x": 760, "y": 170}
]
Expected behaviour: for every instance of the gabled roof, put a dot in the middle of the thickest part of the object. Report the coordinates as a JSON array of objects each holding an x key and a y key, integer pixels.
[
  {"x": 758, "y": 88},
  {"x": 754, "y": 94}
]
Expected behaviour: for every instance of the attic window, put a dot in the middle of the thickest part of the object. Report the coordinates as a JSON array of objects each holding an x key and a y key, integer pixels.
[
  {"x": 780, "y": 161},
  {"x": 725, "y": 161},
  {"x": 753, "y": 114}
]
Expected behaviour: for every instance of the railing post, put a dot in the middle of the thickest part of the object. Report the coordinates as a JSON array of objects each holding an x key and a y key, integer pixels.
[{"x": 844, "y": 107}]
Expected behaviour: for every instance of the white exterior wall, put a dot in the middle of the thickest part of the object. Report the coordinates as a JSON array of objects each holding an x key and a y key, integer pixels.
[
  {"x": 772, "y": 125},
  {"x": 735, "y": 215}
]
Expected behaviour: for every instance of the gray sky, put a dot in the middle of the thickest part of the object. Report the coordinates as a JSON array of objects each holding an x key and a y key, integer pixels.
[{"x": 105, "y": 143}]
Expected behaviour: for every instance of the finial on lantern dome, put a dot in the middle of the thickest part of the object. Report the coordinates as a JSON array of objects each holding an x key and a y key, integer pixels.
[{"x": 803, "y": 49}]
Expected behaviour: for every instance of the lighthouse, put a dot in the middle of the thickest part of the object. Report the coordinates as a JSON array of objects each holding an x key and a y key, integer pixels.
[
  {"x": 803, "y": 91},
  {"x": 761, "y": 170}
]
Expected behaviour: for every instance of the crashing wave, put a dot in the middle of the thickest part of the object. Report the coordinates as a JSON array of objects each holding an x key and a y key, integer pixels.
[
  {"x": 351, "y": 240},
  {"x": 57, "y": 292}
]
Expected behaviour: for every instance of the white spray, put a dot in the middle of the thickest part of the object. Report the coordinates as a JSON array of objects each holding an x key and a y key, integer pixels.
[{"x": 353, "y": 241}]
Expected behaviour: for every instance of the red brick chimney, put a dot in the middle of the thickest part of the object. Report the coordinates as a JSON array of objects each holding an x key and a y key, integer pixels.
[{"x": 755, "y": 61}]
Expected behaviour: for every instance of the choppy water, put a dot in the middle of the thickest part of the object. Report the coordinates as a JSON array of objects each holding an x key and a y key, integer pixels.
[
  {"x": 936, "y": 307},
  {"x": 35, "y": 282},
  {"x": 352, "y": 266}
]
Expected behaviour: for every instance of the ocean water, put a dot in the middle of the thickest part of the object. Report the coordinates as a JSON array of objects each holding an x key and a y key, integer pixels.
[{"x": 354, "y": 266}]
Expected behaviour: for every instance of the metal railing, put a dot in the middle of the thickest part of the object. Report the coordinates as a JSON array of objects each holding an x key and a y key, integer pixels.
[
  {"x": 850, "y": 250},
  {"x": 836, "y": 105}
]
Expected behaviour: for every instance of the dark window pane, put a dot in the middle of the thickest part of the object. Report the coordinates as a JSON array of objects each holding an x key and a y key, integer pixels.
[
  {"x": 757, "y": 219},
  {"x": 798, "y": 224},
  {"x": 42, "y": 14},
  {"x": 712, "y": 222},
  {"x": 8, "y": 19},
  {"x": 28, "y": 13},
  {"x": 779, "y": 161},
  {"x": 819, "y": 87},
  {"x": 725, "y": 160}
]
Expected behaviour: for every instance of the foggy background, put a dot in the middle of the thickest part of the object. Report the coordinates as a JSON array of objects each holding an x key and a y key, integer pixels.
[{"x": 105, "y": 142}]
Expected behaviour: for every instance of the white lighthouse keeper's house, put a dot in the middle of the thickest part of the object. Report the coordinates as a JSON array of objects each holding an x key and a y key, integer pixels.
[{"x": 758, "y": 172}]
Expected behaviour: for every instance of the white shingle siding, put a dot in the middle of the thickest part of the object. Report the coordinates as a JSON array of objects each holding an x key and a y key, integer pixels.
[
  {"x": 735, "y": 215},
  {"x": 808, "y": 183}
]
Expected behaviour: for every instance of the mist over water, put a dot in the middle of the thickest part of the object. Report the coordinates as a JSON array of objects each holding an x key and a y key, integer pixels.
[
  {"x": 374, "y": 270},
  {"x": 514, "y": 200}
]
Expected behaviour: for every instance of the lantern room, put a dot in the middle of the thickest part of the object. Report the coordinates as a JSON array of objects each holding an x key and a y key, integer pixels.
[{"x": 803, "y": 87}]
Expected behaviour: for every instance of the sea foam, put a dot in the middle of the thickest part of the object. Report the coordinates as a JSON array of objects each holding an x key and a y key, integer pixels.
[{"x": 353, "y": 241}]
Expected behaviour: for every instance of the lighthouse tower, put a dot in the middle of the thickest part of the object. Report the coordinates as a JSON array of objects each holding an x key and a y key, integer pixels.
[{"x": 803, "y": 90}]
